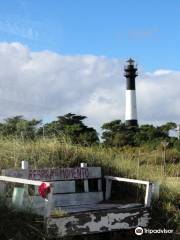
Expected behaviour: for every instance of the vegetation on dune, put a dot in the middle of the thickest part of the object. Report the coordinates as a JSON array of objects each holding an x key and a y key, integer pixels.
[
  {"x": 69, "y": 126},
  {"x": 72, "y": 127},
  {"x": 116, "y": 133},
  {"x": 134, "y": 153}
]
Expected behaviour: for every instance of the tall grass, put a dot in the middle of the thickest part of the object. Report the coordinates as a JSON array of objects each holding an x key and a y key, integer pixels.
[{"x": 130, "y": 162}]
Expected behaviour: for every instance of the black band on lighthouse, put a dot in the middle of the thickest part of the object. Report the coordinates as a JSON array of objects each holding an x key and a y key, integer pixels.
[
  {"x": 132, "y": 122},
  {"x": 130, "y": 72},
  {"x": 130, "y": 84}
]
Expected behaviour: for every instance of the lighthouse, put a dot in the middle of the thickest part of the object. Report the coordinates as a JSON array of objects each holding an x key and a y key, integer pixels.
[{"x": 130, "y": 72}]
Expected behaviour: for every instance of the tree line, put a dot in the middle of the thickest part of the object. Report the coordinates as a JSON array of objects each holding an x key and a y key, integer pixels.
[{"x": 72, "y": 127}]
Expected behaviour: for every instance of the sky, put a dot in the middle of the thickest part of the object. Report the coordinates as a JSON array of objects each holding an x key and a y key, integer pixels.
[{"x": 60, "y": 56}]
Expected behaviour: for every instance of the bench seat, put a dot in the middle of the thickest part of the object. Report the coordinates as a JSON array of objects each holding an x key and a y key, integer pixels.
[{"x": 99, "y": 206}]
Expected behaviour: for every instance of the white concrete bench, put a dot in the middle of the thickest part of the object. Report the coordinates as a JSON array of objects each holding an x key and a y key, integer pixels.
[
  {"x": 70, "y": 186},
  {"x": 76, "y": 194}
]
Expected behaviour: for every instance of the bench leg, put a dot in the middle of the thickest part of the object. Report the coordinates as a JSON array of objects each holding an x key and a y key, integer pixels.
[{"x": 108, "y": 189}]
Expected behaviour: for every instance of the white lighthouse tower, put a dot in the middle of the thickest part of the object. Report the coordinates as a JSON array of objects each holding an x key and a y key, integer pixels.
[{"x": 131, "y": 109}]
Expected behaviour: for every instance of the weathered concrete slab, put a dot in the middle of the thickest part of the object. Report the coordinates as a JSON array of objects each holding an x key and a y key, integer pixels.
[
  {"x": 19, "y": 173},
  {"x": 55, "y": 174},
  {"x": 60, "y": 187},
  {"x": 64, "y": 187},
  {"x": 72, "y": 199},
  {"x": 100, "y": 206},
  {"x": 78, "y": 198},
  {"x": 97, "y": 221}
]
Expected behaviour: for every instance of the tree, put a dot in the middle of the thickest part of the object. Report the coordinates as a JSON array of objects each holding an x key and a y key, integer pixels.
[
  {"x": 148, "y": 133},
  {"x": 19, "y": 127},
  {"x": 116, "y": 133},
  {"x": 71, "y": 126},
  {"x": 167, "y": 127},
  {"x": 151, "y": 134}
]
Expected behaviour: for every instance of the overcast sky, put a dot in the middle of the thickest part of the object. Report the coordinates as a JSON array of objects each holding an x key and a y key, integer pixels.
[{"x": 68, "y": 56}]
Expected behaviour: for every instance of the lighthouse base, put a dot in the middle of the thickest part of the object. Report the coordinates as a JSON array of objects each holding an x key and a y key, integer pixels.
[{"x": 132, "y": 122}]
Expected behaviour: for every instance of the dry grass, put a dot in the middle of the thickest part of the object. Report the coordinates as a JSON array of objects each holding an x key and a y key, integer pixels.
[{"x": 130, "y": 162}]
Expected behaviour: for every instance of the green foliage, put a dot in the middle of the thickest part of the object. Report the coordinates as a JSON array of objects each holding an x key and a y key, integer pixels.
[
  {"x": 19, "y": 127},
  {"x": 71, "y": 126},
  {"x": 167, "y": 127},
  {"x": 117, "y": 134}
]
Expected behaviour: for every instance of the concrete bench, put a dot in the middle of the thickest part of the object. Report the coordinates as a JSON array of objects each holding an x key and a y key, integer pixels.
[{"x": 76, "y": 203}]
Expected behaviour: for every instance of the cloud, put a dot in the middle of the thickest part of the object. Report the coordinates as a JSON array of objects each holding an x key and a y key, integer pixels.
[
  {"x": 46, "y": 84},
  {"x": 160, "y": 94}
]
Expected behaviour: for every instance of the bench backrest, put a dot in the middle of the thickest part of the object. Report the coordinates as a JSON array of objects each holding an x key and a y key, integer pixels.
[{"x": 72, "y": 186}]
